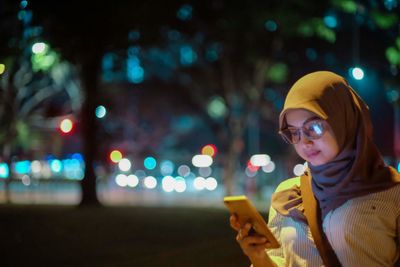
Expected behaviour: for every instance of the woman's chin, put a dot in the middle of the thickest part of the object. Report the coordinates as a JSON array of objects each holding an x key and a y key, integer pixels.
[{"x": 316, "y": 163}]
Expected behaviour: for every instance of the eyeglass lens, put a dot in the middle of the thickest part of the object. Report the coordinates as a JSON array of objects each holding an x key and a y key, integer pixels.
[{"x": 312, "y": 130}]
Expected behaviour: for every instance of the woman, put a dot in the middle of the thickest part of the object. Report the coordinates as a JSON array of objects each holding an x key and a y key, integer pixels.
[{"x": 357, "y": 196}]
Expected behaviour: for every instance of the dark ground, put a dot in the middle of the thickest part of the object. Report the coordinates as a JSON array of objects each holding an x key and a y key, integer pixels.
[{"x": 117, "y": 236}]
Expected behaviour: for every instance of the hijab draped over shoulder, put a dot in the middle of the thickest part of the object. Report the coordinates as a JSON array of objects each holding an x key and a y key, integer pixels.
[{"x": 358, "y": 169}]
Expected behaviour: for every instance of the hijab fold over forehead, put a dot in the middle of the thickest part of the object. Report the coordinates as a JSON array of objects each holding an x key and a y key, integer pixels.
[
  {"x": 358, "y": 169},
  {"x": 329, "y": 96}
]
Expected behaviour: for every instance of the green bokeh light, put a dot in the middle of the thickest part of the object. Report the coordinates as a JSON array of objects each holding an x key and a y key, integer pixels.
[{"x": 278, "y": 73}]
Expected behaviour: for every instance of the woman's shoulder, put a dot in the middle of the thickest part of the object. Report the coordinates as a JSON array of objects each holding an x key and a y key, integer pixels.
[{"x": 288, "y": 183}]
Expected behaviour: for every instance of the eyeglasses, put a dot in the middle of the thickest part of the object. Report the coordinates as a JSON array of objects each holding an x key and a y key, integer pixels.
[{"x": 312, "y": 130}]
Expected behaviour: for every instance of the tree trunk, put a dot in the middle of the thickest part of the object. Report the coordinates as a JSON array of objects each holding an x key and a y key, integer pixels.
[
  {"x": 7, "y": 181},
  {"x": 236, "y": 146},
  {"x": 229, "y": 172},
  {"x": 89, "y": 76},
  {"x": 9, "y": 117}
]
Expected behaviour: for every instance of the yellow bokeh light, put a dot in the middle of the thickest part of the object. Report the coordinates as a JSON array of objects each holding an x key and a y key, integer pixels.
[
  {"x": 2, "y": 68},
  {"x": 115, "y": 156},
  {"x": 209, "y": 150},
  {"x": 66, "y": 125}
]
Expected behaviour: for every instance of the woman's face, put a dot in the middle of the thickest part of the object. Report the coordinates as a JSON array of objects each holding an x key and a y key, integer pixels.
[{"x": 318, "y": 151}]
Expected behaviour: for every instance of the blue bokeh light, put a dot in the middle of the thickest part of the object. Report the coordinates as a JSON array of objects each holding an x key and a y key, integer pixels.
[
  {"x": 271, "y": 25},
  {"x": 150, "y": 163}
]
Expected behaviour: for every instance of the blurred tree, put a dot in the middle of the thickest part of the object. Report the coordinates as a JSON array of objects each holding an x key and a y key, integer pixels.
[
  {"x": 229, "y": 55},
  {"x": 83, "y": 31},
  {"x": 32, "y": 85}
]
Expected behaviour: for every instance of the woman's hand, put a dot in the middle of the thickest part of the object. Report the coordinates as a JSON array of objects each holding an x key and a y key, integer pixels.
[{"x": 252, "y": 245}]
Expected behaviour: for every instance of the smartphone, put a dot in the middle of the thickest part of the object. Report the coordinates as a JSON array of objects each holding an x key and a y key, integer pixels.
[{"x": 247, "y": 212}]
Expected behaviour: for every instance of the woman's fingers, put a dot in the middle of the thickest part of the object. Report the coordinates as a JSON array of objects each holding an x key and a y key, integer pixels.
[
  {"x": 246, "y": 229},
  {"x": 234, "y": 222},
  {"x": 243, "y": 232},
  {"x": 253, "y": 240}
]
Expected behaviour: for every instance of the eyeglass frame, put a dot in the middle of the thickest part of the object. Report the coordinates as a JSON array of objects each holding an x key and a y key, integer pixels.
[{"x": 303, "y": 131}]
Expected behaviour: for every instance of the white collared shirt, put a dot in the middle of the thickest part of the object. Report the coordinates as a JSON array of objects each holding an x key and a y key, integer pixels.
[{"x": 364, "y": 231}]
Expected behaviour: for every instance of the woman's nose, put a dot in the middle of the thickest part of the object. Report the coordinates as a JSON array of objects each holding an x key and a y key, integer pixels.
[{"x": 305, "y": 140}]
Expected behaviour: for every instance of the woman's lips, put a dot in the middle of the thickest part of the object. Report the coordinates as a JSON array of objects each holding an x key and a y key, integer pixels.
[{"x": 311, "y": 154}]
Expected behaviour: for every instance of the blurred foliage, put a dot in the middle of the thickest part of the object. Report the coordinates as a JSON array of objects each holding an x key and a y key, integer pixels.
[
  {"x": 278, "y": 73},
  {"x": 385, "y": 20},
  {"x": 317, "y": 27}
]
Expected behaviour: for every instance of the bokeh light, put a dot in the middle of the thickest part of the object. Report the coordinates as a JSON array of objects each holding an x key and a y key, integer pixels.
[
  {"x": 26, "y": 180},
  {"x": 135, "y": 72},
  {"x": 260, "y": 160},
  {"x": 115, "y": 156},
  {"x": 251, "y": 167},
  {"x": 66, "y": 125},
  {"x": 183, "y": 170},
  {"x": 250, "y": 172},
  {"x": 211, "y": 183},
  {"x": 205, "y": 171},
  {"x": 271, "y": 25},
  {"x": 150, "y": 163},
  {"x": 150, "y": 182},
  {"x": 22, "y": 167},
  {"x": 132, "y": 180},
  {"x": 36, "y": 166},
  {"x": 357, "y": 73},
  {"x": 121, "y": 180},
  {"x": 209, "y": 149},
  {"x": 202, "y": 161},
  {"x": 101, "y": 112},
  {"x": 270, "y": 167},
  {"x": 187, "y": 55},
  {"x": 167, "y": 167},
  {"x": 2, "y": 68},
  {"x": 39, "y": 48},
  {"x": 180, "y": 184},
  {"x": 199, "y": 183},
  {"x": 330, "y": 21},
  {"x": 4, "y": 170},
  {"x": 185, "y": 12},
  {"x": 168, "y": 183},
  {"x": 56, "y": 165},
  {"x": 124, "y": 164},
  {"x": 299, "y": 169},
  {"x": 216, "y": 107}
]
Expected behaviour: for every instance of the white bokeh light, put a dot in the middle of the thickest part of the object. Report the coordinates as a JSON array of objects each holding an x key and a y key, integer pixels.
[
  {"x": 150, "y": 182},
  {"x": 168, "y": 183},
  {"x": 260, "y": 160},
  {"x": 36, "y": 166},
  {"x": 270, "y": 167},
  {"x": 299, "y": 169},
  {"x": 202, "y": 161},
  {"x": 38, "y": 48},
  {"x": 26, "y": 180},
  {"x": 124, "y": 165},
  {"x": 357, "y": 73},
  {"x": 121, "y": 180},
  {"x": 199, "y": 183},
  {"x": 211, "y": 183},
  {"x": 180, "y": 184},
  {"x": 132, "y": 180}
]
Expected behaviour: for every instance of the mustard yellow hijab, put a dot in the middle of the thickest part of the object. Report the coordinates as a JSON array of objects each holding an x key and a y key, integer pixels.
[{"x": 358, "y": 169}]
